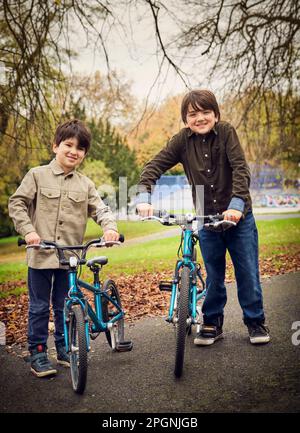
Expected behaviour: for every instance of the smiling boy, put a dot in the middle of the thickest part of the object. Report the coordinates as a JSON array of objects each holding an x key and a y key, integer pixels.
[
  {"x": 53, "y": 203},
  {"x": 212, "y": 157}
]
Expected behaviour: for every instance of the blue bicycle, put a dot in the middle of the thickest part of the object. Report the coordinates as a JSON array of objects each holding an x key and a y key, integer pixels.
[
  {"x": 187, "y": 287},
  {"x": 82, "y": 322}
]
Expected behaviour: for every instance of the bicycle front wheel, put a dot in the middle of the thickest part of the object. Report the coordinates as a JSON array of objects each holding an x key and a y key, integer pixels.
[
  {"x": 182, "y": 327},
  {"x": 78, "y": 349},
  {"x": 116, "y": 334}
]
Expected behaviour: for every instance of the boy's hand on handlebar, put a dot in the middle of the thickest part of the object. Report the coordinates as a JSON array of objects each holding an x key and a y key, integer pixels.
[
  {"x": 232, "y": 215},
  {"x": 144, "y": 210},
  {"x": 32, "y": 239},
  {"x": 111, "y": 236}
]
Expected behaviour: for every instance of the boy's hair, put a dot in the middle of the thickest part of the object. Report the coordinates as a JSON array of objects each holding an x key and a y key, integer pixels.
[
  {"x": 199, "y": 98},
  {"x": 73, "y": 129}
]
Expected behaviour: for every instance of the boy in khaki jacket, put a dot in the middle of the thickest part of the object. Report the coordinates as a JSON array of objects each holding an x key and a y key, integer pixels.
[{"x": 53, "y": 203}]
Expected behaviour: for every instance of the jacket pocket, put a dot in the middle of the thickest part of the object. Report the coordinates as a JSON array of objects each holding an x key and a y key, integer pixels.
[
  {"x": 49, "y": 198},
  {"x": 77, "y": 207},
  {"x": 50, "y": 193},
  {"x": 77, "y": 197}
]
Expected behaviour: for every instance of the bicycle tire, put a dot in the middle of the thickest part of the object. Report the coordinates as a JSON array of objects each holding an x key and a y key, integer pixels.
[
  {"x": 194, "y": 257},
  {"x": 182, "y": 328},
  {"x": 108, "y": 310},
  {"x": 78, "y": 349}
]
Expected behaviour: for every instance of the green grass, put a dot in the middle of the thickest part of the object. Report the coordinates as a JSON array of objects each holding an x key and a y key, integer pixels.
[
  {"x": 160, "y": 254},
  {"x": 279, "y": 232},
  {"x": 10, "y": 240},
  {"x": 130, "y": 229}
]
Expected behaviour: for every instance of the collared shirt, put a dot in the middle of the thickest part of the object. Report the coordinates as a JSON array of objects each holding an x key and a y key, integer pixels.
[
  {"x": 56, "y": 206},
  {"x": 215, "y": 161}
]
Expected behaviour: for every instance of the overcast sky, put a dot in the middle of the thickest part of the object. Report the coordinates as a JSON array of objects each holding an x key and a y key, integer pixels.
[
  {"x": 134, "y": 54},
  {"x": 137, "y": 61}
]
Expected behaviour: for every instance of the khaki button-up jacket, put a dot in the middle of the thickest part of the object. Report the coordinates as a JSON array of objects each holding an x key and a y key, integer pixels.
[{"x": 56, "y": 206}]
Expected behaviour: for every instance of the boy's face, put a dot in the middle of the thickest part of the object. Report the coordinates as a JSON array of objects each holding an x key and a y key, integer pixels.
[
  {"x": 200, "y": 121},
  {"x": 69, "y": 154}
]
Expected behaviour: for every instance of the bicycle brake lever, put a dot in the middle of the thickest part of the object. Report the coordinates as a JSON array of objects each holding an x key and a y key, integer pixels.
[
  {"x": 104, "y": 243},
  {"x": 223, "y": 223},
  {"x": 152, "y": 217}
]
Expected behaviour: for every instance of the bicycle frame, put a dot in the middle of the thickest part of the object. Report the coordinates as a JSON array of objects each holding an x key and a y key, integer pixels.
[
  {"x": 75, "y": 296},
  {"x": 187, "y": 261}
]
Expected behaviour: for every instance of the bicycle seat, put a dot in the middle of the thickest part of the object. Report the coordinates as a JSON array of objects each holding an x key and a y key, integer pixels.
[{"x": 102, "y": 260}]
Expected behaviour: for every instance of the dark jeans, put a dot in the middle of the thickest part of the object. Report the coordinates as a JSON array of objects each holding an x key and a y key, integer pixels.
[
  {"x": 242, "y": 243},
  {"x": 44, "y": 284}
]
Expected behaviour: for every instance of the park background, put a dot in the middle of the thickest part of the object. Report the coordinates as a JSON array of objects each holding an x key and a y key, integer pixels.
[{"x": 123, "y": 67}]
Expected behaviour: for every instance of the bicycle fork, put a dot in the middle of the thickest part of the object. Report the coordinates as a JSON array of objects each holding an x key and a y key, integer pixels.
[
  {"x": 71, "y": 300},
  {"x": 195, "y": 295}
]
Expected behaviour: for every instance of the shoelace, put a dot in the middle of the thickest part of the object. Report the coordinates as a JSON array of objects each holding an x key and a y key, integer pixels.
[
  {"x": 257, "y": 327},
  {"x": 43, "y": 361}
]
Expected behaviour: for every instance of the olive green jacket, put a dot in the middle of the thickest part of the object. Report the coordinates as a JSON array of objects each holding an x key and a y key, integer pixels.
[{"x": 214, "y": 161}]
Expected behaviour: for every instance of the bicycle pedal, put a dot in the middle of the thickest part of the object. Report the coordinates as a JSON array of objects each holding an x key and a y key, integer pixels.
[
  {"x": 165, "y": 286},
  {"x": 124, "y": 346}
]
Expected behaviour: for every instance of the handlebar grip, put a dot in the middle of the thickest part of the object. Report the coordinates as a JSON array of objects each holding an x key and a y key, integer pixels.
[
  {"x": 21, "y": 242},
  {"x": 121, "y": 238}
]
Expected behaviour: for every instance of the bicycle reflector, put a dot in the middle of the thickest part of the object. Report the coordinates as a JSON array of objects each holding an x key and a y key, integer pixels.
[{"x": 73, "y": 261}]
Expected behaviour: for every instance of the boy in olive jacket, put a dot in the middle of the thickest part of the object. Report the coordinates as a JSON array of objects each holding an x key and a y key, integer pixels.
[
  {"x": 53, "y": 203},
  {"x": 212, "y": 156}
]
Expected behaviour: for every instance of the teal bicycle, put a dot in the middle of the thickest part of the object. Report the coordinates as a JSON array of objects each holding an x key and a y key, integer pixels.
[
  {"x": 187, "y": 287},
  {"x": 82, "y": 322}
]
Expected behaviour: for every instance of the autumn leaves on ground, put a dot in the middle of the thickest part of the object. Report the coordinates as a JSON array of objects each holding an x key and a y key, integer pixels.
[{"x": 139, "y": 290}]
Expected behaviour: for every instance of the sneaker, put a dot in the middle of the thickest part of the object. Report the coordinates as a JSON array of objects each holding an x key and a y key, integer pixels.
[
  {"x": 208, "y": 335},
  {"x": 258, "y": 333},
  {"x": 62, "y": 356},
  {"x": 40, "y": 364}
]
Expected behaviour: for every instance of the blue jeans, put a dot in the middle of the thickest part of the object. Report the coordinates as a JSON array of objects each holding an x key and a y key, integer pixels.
[
  {"x": 44, "y": 284},
  {"x": 242, "y": 243}
]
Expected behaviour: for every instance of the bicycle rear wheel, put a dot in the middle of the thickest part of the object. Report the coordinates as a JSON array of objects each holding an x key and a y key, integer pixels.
[
  {"x": 116, "y": 334},
  {"x": 78, "y": 349},
  {"x": 182, "y": 327}
]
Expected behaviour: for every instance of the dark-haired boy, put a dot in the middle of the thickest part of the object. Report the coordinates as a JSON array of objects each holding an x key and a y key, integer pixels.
[
  {"x": 212, "y": 156},
  {"x": 53, "y": 203}
]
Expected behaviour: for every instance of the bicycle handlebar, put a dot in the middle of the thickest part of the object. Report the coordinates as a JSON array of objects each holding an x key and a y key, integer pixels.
[
  {"x": 212, "y": 221},
  {"x": 72, "y": 247},
  {"x": 48, "y": 245}
]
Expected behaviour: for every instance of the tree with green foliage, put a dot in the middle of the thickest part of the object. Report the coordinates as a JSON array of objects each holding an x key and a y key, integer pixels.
[
  {"x": 270, "y": 130},
  {"x": 112, "y": 149}
]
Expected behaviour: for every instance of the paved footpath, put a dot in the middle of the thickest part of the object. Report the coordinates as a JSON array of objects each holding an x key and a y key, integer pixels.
[{"x": 230, "y": 376}]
